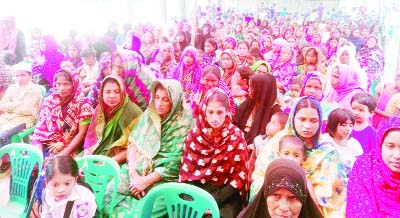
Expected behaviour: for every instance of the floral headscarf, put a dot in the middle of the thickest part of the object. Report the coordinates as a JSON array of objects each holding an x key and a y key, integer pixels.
[
  {"x": 58, "y": 121},
  {"x": 152, "y": 135}
]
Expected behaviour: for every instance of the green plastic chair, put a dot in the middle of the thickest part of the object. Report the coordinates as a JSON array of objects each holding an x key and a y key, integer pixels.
[
  {"x": 195, "y": 202},
  {"x": 23, "y": 136},
  {"x": 24, "y": 158},
  {"x": 98, "y": 171}
]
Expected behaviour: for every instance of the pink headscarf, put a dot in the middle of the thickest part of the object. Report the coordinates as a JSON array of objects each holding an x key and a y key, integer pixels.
[
  {"x": 373, "y": 189},
  {"x": 348, "y": 82}
]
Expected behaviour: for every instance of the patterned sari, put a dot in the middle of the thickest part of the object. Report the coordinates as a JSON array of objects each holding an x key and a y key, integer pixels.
[
  {"x": 217, "y": 160},
  {"x": 189, "y": 78},
  {"x": 109, "y": 129},
  {"x": 58, "y": 123},
  {"x": 158, "y": 145}
]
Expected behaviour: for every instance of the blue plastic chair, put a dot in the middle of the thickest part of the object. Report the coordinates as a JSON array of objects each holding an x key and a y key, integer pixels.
[
  {"x": 24, "y": 158},
  {"x": 182, "y": 200},
  {"x": 98, "y": 171}
]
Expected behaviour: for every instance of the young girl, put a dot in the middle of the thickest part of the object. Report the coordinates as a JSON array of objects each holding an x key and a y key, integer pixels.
[
  {"x": 241, "y": 50},
  {"x": 228, "y": 64},
  {"x": 62, "y": 188},
  {"x": 210, "y": 47},
  {"x": 339, "y": 128},
  {"x": 283, "y": 68}
]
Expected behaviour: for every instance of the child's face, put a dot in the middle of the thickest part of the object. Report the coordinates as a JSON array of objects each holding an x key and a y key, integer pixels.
[
  {"x": 89, "y": 60},
  {"x": 343, "y": 130},
  {"x": 360, "y": 112},
  {"x": 208, "y": 48},
  {"x": 210, "y": 81},
  {"x": 273, "y": 126},
  {"x": 250, "y": 59},
  {"x": 292, "y": 152},
  {"x": 295, "y": 90},
  {"x": 226, "y": 61},
  {"x": 242, "y": 50},
  {"x": 188, "y": 59},
  {"x": 61, "y": 185}
]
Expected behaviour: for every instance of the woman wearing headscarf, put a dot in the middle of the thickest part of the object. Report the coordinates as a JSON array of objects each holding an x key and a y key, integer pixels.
[
  {"x": 345, "y": 83},
  {"x": 133, "y": 43},
  {"x": 215, "y": 155},
  {"x": 356, "y": 39},
  {"x": 347, "y": 55},
  {"x": 371, "y": 60},
  {"x": 265, "y": 41},
  {"x": 312, "y": 56},
  {"x": 315, "y": 86},
  {"x": 228, "y": 64},
  {"x": 127, "y": 64},
  {"x": 63, "y": 118},
  {"x": 45, "y": 66},
  {"x": 331, "y": 47},
  {"x": 155, "y": 149},
  {"x": 188, "y": 73},
  {"x": 11, "y": 38},
  {"x": 283, "y": 174},
  {"x": 261, "y": 67},
  {"x": 211, "y": 78},
  {"x": 374, "y": 182},
  {"x": 73, "y": 51},
  {"x": 112, "y": 121},
  {"x": 104, "y": 70},
  {"x": 284, "y": 68},
  {"x": 164, "y": 62},
  {"x": 255, "y": 112},
  {"x": 322, "y": 164}
]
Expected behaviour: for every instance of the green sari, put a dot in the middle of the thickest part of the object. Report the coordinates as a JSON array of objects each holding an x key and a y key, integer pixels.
[
  {"x": 109, "y": 129},
  {"x": 158, "y": 145}
]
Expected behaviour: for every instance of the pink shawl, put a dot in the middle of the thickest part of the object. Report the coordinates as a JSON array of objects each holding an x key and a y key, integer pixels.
[{"x": 374, "y": 190}]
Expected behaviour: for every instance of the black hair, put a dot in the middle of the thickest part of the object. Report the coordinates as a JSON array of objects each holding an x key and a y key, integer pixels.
[
  {"x": 255, "y": 52},
  {"x": 365, "y": 99},
  {"x": 221, "y": 98},
  {"x": 63, "y": 73},
  {"x": 61, "y": 164},
  {"x": 337, "y": 117},
  {"x": 88, "y": 52},
  {"x": 245, "y": 72},
  {"x": 282, "y": 117},
  {"x": 212, "y": 69}
]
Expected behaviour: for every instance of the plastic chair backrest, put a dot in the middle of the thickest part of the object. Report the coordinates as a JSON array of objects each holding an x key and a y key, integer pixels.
[
  {"x": 194, "y": 203},
  {"x": 19, "y": 137},
  {"x": 23, "y": 158},
  {"x": 98, "y": 171}
]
